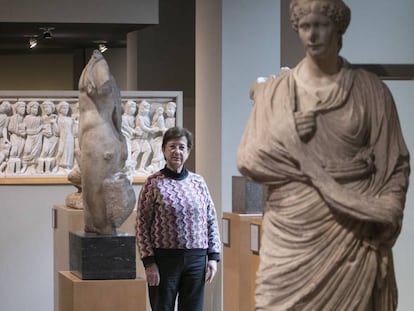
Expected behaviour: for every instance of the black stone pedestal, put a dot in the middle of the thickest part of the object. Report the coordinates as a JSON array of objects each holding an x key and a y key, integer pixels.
[
  {"x": 102, "y": 257},
  {"x": 248, "y": 197}
]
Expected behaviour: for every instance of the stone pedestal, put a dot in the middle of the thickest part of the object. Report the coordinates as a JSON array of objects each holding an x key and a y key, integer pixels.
[
  {"x": 102, "y": 257},
  {"x": 103, "y": 295},
  {"x": 248, "y": 197},
  {"x": 66, "y": 220},
  {"x": 238, "y": 269}
]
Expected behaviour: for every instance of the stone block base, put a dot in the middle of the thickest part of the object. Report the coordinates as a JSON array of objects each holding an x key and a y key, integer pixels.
[{"x": 102, "y": 257}]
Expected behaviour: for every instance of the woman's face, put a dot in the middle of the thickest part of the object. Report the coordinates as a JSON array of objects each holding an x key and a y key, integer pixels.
[
  {"x": 319, "y": 36},
  {"x": 176, "y": 153}
]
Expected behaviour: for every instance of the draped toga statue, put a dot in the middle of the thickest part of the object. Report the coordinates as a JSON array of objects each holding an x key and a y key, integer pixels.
[{"x": 326, "y": 139}]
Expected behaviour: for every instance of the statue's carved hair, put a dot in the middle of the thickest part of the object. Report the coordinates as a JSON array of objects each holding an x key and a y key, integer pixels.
[{"x": 336, "y": 10}]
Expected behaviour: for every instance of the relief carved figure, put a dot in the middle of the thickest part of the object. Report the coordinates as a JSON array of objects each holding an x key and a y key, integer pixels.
[
  {"x": 33, "y": 143},
  {"x": 58, "y": 139},
  {"x": 65, "y": 131},
  {"x": 143, "y": 131},
  {"x": 159, "y": 128},
  {"x": 326, "y": 139},
  {"x": 5, "y": 112},
  {"x": 108, "y": 196},
  {"x": 170, "y": 110},
  {"x": 128, "y": 130},
  {"x": 46, "y": 161},
  {"x": 17, "y": 134}
]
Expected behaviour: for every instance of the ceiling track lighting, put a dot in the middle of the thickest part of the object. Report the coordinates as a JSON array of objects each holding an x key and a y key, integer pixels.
[
  {"x": 47, "y": 32},
  {"x": 32, "y": 43},
  {"x": 102, "y": 47}
]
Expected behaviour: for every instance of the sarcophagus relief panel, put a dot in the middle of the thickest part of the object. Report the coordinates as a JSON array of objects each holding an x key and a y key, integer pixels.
[{"x": 39, "y": 133}]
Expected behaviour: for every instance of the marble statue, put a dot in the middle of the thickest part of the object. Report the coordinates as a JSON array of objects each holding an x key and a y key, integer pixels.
[
  {"x": 108, "y": 196},
  {"x": 326, "y": 140}
]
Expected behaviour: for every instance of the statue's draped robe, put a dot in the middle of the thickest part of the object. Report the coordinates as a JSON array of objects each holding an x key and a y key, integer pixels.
[
  {"x": 33, "y": 142},
  {"x": 335, "y": 201}
]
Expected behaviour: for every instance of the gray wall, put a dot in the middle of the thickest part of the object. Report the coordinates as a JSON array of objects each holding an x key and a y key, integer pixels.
[
  {"x": 53, "y": 71},
  {"x": 79, "y": 11},
  {"x": 26, "y": 246}
]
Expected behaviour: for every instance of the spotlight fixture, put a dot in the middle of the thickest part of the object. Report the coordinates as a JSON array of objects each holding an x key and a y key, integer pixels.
[
  {"x": 47, "y": 32},
  {"x": 102, "y": 47},
  {"x": 32, "y": 43}
]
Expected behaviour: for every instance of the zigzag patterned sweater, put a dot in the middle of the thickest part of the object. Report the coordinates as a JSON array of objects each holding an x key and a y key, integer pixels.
[{"x": 175, "y": 214}]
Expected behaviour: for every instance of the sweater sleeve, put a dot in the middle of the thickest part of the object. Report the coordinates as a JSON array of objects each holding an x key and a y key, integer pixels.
[
  {"x": 214, "y": 244},
  {"x": 144, "y": 221}
]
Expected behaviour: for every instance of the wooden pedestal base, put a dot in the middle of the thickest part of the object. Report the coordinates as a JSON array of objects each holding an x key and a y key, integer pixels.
[
  {"x": 239, "y": 263},
  {"x": 103, "y": 295}
]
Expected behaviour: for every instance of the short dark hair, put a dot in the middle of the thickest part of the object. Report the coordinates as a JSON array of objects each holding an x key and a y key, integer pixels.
[{"x": 177, "y": 132}]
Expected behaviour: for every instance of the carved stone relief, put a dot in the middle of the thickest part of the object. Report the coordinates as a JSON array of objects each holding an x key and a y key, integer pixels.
[{"x": 39, "y": 134}]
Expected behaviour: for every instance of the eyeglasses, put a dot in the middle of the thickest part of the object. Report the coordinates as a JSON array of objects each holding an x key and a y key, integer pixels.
[{"x": 173, "y": 147}]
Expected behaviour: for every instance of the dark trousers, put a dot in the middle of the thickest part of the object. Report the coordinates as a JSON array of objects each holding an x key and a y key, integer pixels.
[{"x": 183, "y": 275}]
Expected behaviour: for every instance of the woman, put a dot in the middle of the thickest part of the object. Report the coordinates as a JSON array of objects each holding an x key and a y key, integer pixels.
[
  {"x": 177, "y": 229},
  {"x": 326, "y": 139}
]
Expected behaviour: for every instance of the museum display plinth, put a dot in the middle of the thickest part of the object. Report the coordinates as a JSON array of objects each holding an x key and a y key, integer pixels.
[
  {"x": 239, "y": 263},
  {"x": 103, "y": 295},
  {"x": 68, "y": 219},
  {"x": 102, "y": 257},
  {"x": 254, "y": 265}
]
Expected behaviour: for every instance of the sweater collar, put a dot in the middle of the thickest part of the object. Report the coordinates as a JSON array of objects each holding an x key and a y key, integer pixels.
[{"x": 171, "y": 174}]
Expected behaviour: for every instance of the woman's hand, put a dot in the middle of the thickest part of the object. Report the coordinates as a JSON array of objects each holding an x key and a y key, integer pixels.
[
  {"x": 152, "y": 274},
  {"x": 211, "y": 270}
]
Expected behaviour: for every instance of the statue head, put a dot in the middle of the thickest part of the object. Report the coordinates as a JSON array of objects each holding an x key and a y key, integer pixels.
[
  {"x": 336, "y": 10},
  {"x": 5, "y": 108},
  {"x": 33, "y": 107},
  {"x": 63, "y": 108},
  {"x": 130, "y": 107},
  {"x": 48, "y": 107},
  {"x": 20, "y": 107}
]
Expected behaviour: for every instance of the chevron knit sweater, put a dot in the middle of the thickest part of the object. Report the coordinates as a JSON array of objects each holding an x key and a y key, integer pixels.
[{"x": 175, "y": 213}]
